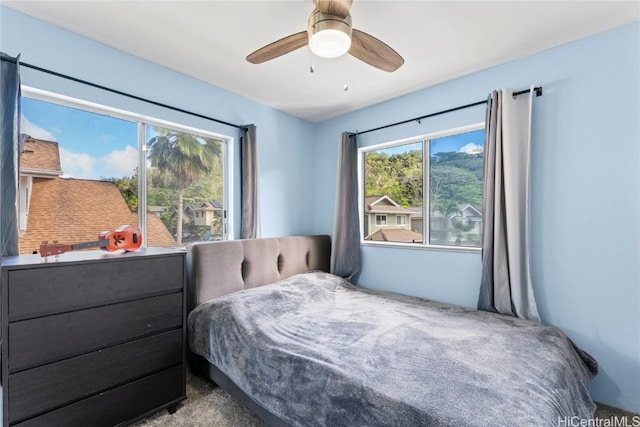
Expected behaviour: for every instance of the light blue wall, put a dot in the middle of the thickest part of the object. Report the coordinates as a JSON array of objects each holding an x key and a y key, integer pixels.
[
  {"x": 585, "y": 197},
  {"x": 284, "y": 147},
  {"x": 586, "y": 173}
]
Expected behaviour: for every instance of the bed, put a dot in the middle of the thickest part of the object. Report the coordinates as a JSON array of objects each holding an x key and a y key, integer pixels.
[{"x": 302, "y": 347}]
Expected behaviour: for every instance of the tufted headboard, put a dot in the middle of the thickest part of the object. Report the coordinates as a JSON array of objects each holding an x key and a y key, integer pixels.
[{"x": 219, "y": 268}]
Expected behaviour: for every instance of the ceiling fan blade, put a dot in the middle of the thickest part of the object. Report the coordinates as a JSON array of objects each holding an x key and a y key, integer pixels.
[
  {"x": 334, "y": 7},
  {"x": 279, "y": 48},
  {"x": 369, "y": 49}
]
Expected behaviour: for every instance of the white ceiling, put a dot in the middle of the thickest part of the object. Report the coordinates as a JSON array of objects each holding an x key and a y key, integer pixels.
[{"x": 439, "y": 40}]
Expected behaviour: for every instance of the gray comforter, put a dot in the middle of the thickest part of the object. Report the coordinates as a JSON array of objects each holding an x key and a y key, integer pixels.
[{"x": 317, "y": 351}]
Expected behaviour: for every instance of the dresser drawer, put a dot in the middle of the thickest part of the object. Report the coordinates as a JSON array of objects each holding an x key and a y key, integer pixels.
[
  {"x": 54, "y": 289},
  {"x": 117, "y": 405},
  {"x": 47, "y": 387},
  {"x": 46, "y": 339}
]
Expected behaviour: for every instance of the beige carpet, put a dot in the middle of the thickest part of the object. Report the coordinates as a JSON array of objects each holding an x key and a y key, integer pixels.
[{"x": 208, "y": 405}]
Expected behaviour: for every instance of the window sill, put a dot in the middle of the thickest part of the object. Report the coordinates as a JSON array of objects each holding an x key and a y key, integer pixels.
[{"x": 421, "y": 247}]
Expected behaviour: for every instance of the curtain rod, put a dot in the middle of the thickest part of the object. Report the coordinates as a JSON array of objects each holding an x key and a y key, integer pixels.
[
  {"x": 538, "y": 91},
  {"x": 108, "y": 89}
]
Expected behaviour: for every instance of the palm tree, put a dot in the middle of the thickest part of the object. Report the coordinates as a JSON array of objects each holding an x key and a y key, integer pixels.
[
  {"x": 446, "y": 207},
  {"x": 184, "y": 156}
]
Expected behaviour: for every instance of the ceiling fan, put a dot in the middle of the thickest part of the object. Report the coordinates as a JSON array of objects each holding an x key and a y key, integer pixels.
[{"x": 329, "y": 34}]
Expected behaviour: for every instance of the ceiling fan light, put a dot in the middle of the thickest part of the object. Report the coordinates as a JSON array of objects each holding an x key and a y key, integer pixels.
[
  {"x": 330, "y": 43},
  {"x": 329, "y": 35}
]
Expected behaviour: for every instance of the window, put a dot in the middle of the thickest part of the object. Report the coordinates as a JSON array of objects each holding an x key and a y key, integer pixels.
[
  {"x": 381, "y": 220},
  {"x": 86, "y": 168},
  {"x": 184, "y": 173},
  {"x": 441, "y": 211}
]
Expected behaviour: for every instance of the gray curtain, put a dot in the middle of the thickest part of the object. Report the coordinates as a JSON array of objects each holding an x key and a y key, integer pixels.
[
  {"x": 506, "y": 281},
  {"x": 9, "y": 154},
  {"x": 345, "y": 249},
  {"x": 249, "y": 165}
]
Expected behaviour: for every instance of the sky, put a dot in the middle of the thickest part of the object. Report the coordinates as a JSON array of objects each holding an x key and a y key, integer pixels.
[
  {"x": 464, "y": 142},
  {"x": 92, "y": 146}
]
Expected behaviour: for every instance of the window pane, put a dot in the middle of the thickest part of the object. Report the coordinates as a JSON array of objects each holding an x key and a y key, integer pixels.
[
  {"x": 77, "y": 174},
  {"x": 393, "y": 189},
  {"x": 456, "y": 189},
  {"x": 184, "y": 187}
]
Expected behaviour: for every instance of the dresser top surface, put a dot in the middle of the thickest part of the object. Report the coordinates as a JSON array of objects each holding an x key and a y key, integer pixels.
[{"x": 85, "y": 256}]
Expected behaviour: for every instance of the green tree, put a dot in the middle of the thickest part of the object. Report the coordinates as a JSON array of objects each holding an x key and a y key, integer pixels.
[
  {"x": 128, "y": 187},
  {"x": 455, "y": 184},
  {"x": 185, "y": 158},
  {"x": 398, "y": 176}
]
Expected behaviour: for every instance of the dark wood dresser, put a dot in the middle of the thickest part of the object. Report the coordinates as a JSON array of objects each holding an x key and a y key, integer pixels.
[{"x": 92, "y": 338}]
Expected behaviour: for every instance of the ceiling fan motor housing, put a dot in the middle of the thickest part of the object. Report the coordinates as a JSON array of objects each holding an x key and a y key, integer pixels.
[{"x": 320, "y": 22}]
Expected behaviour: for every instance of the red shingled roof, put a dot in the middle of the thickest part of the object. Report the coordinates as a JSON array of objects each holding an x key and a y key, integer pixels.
[
  {"x": 40, "y": 156},
  {"x": 383, "y": 204},
  {"x": 77, "y": 210},
  {"x": 396, "y": 235}
]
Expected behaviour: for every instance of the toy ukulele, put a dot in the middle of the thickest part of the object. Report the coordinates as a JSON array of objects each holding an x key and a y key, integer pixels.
[{"x": 127, "y": 237}]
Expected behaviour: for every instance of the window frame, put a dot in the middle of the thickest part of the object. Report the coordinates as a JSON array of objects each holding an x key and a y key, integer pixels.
[
  {"x": 426, "y": 191},
  {"x": 141, "y": 120},
  {"x": 399, "y": 218}
]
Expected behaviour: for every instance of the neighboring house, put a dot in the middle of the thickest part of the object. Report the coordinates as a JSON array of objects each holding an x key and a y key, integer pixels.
[
  {"x": 71, "y": 210},
  {"x": 472, "y": 215},
  {"x": 38, "y": 159},
  {"x": 156, "y": 210},
  {"x": 416, "y": 219},
  {"x": 469, "y": 222},
  {"x": 384, "y": 219},
  {"x": 469, "y": 219},
  {"x": 206, "y": 214}
]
